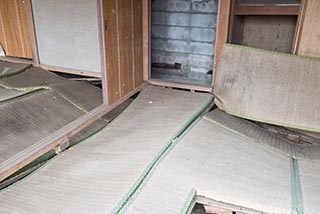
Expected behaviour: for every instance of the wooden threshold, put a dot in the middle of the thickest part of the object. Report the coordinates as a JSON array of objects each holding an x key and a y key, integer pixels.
[
  {"x": 54, "y": 140},
  {"x": 71, "y": 71},
  {"x": 182, "y": 86},
  {"x": 15, "y": 60},
  {"x": 267, "y": 10},
  {"x": 218, "y": 204}
]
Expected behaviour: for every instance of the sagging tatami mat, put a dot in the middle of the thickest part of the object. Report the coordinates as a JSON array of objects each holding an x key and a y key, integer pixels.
[
  {"x": 220, "y": 165},
  {"x": 94, "y": 176},
  {"x": 270, "y": 87},
  {"x": 27, "y": 120},
  {"x": 9, "y": 68},
  {"x": 82, "y": 94},
  {"x": 255, "y": 133},
  {"x": 11, "y": 93}
]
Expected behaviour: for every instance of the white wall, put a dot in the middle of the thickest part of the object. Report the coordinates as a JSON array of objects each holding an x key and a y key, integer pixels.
[{"x": 67, "y": 33}]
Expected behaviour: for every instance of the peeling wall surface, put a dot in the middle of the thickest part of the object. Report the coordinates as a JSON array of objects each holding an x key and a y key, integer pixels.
[
  {"x": 183, "y": 31},
  {"x": 67, "y": 33}
]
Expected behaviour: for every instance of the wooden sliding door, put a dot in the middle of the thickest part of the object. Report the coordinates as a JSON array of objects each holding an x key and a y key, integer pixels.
[
  {"x": 123, "y": 34},
  {"x": 14, "y": 35}
]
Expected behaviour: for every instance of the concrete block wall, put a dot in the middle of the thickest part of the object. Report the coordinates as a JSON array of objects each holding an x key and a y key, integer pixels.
[{"x": 183, "y": 31}]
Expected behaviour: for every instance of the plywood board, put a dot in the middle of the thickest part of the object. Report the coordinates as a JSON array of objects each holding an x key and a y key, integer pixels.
[
  {"x": 274, "y": 33},
  {"x": 67, "y": 34},
  {"x": 271, "y": 87}
]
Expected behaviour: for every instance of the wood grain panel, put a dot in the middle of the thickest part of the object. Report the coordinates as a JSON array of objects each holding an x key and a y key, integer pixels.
[
  {"x": 126, "y": 47},
  {"x": 111, "y": 35},
  {"x": 138, "y": 42},
  {"x": 14, "y": 36},
  {"x": 310, "y": 34}
]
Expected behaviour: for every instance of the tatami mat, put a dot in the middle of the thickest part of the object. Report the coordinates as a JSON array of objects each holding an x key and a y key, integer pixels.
[
  {"x": 11, "y": 93},
  {"x": 94, "y": 177},
  {"x": 248, "y": 129},
  {"x": 26, "y": 121},
  {"x": 82, "y": 94},
  {"x": 270, "y": 87},
  {"x": 220, "y": 165},
  {"x": 9, "y": 68}
]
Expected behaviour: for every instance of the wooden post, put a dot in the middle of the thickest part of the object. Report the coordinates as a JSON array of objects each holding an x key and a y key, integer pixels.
[
  {"x": 222, "y": 33},
  {"x": 32, "y": 33}
]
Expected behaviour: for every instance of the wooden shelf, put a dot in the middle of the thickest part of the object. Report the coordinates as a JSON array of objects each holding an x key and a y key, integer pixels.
[{"x": 267, "y": 10}]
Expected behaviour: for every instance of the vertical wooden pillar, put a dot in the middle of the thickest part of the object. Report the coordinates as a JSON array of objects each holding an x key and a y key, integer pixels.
[{"x": 222, "y": 32}]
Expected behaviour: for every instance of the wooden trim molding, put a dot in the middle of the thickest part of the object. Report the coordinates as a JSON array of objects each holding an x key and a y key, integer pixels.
[
  {"x": 146, "y": 14},
  {"x": 181, "y": 86},
  {"x": 103, "y": 54},
  {"x": 267, "y": 10},
  {"x": 32, "y": 32},
  {"x": 71, "y": 71}
]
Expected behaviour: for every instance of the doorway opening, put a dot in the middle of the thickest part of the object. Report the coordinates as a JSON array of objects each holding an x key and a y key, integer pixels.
[{"x": 183, "y": 36}]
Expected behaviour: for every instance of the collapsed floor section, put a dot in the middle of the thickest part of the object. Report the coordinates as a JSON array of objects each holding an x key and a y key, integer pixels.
[{"x": 105, "y": 169}]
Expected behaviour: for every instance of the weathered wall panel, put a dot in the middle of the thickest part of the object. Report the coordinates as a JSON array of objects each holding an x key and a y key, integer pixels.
[
  {"x": 273, "y": 33},
  {"x": 67, "y": 33}
]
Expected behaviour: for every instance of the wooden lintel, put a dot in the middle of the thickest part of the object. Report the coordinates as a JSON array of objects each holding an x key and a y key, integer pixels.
[
  {"x": 267, "y": 10},
  {"x": 49, "y": 143}
]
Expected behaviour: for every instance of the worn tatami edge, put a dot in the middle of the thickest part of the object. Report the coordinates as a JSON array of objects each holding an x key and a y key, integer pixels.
[
  {"x": 252, "y": 139},
  {"x": 296, "y": 191},
  {"x": 66, "y": 151},
  {"x": 190, "y": 202},
  {"x": 26, "y": 91},
  {"x": 220, "y": 105},
  {"x": 143, "y": 179},
  {"x": 18, "y": 71},
  {"x": 273, "y": 52}
]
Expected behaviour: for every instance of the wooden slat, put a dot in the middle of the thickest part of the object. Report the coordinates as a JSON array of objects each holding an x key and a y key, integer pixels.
[
  {"x": 15, "y": 37},
  {"x": 103, "y": 59},
  {"x": 222, "y": 32},
  {"x": 126, "y": 47},
  {"x": 54, "y": 140},
  {"x": 267, "y": 10},
  {"x": 310, "y": 34},
  {"x": 181, "y": 86}
]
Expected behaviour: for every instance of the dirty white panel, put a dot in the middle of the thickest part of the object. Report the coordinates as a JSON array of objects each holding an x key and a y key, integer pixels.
[{"x": 67, "y": 33}]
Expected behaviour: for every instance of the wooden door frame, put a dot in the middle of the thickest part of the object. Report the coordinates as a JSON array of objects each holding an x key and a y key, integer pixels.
[{"x": 221, "y": 38}]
